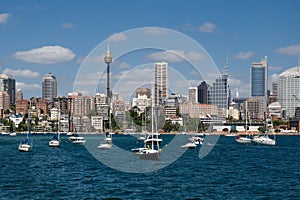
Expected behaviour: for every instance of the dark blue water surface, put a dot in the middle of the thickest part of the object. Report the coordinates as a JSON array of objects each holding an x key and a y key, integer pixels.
[{"x": 229, "y": 171}]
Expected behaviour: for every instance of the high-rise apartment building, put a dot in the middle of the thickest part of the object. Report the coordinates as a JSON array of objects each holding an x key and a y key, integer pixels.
[
  {"x": 49, "y": 87},
  {"x": 8, "y": 84},
  {"x": 19, "y": 94},
  {"x": 160, "y": 82}
]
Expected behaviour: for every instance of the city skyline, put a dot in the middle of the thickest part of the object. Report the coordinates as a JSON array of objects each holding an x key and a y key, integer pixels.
[{"x": 243, "y": 31}]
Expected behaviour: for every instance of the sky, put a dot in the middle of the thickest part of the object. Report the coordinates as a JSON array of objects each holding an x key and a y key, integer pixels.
[{"x": 70, "y": 38}]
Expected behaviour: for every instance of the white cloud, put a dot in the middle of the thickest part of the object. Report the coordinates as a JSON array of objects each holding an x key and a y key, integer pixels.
[
  {"x": 4, "y": 17},
  {"x": 67, "y": 25},
  {"x": 45, "y": 55},
  {"x": 117, "y": 37},
  {"x": 234, "y": 82},
  {"x": 207, "y": 27},
  {"x": 25, "y": 86},
  {"x": 154, "y": 31},
  {"x": 122, "y": 65},
  {"x": 275, "y": 68},
  {"x": 27, "y": 73},
  {"x": 175, "y": 56},
  {"x": 244, "y": 55},
  {"x": 290, "y": 50}
]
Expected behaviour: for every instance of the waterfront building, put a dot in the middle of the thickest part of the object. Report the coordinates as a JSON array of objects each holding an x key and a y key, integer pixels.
[
  {"x": 160, "y": 82},
  {"x": 4, "y": 103},
  {"x": 289, "y": 91},
  {"x": 275, "y": 110},
  {"x": 97, "y": 123},
  {"x": 8, "y": 84},
  {"x": 49, "y": 87},
  {"x": 198, "y": 110}
]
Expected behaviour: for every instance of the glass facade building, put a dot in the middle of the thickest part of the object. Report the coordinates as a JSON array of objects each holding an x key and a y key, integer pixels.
[{"x": 160, "y": 82}]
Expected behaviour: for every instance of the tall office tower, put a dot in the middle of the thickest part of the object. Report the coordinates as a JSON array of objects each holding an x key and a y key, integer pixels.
[
  {"x": 193, "y": 94},
  {"x": 259, "y": 78},
  {"x": 259, "y": 84},
  {"x": 288, "y": 91},
  {"x": 160, "y": 82},
  {"x": 19, "y": 94},
  {"x": 274, "y": 88},
  {"x": 202, "y": 92},
  {"x": 8, "y": 84},
  {"x": 49, "y": 87},
  {"x": 218, "y": 93}
]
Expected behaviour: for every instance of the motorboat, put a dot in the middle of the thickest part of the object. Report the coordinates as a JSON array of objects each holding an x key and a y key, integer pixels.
[
  {"x": 79, "y": 141},
  {"x": 105, "y": 145},
  {"x": 264, "y": 139},
  {"x": 189, "y": 145},
  {"x": 242, "y": 140},
  {"x": 138, "y": 150}
]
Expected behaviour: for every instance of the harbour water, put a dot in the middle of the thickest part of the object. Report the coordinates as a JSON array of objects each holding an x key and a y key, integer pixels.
[{"x": 229, "y": 171}]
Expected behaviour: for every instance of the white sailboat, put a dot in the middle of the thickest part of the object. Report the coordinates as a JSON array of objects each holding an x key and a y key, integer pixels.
[
  {"x": 264, "y": 138},
  {"x": 55, "y": 141},
  {"x": 26, "y": 146},
  {"x": 244, "y": 140},
  {"x": 151, "y": 144}
]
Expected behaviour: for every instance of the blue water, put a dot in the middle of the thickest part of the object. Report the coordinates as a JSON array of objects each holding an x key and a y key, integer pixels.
[{"x": 229, "y": 171}]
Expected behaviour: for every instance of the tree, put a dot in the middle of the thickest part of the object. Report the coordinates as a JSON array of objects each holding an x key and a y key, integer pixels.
[{"x": 225, "y": 130}]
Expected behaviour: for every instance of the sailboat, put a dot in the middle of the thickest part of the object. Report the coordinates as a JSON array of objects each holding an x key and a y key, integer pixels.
[
  {"x": 26, "y": 146},
  {"x": 244, "y": 140},
  {"x": 264, "y": 138},
  {"x": 151, "y": 144},
  {"x": 55, "y": 141}
]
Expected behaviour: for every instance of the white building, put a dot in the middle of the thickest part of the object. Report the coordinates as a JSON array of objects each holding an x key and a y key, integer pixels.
[
  {"x": 160, "y": 82},
  {"x": 289, "y": 90},
  {"x": 193, "y": 94},
  {"x": 97, "y": 122},
  {"x": 142, "y": 101}
]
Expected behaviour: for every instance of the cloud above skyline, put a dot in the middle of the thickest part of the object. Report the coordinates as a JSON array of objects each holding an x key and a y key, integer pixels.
[
  {"x": 244, "y": 55},
  {"x": 26, "y": 86},
  {"x": 27, "y": 73},
  {"x": 45, "y": 55},
  {"x": 117, "y": 37},
  {"x": 289, "y": 50},
  {"x": 67, "y": 25},
  {"x": 175, "y": 56},
  {"x": 4, "y": 17},
  {"x": 207, "y": 27}
]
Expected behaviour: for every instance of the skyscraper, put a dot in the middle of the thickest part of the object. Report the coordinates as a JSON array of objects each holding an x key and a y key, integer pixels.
[
  {"x": 259, "y": 84},
  {"x": 202, "y": 92},
  {"x": 218, "y": 92},
  {"x": 259, "y": 78},
  {"x": 8, "y": 84},
  {"x": 49, "y": 87},
  {"x": 160, "y": 82}
]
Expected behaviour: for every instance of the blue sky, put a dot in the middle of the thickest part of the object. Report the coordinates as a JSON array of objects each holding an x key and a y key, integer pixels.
[{"x": 37, "y": 37}]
